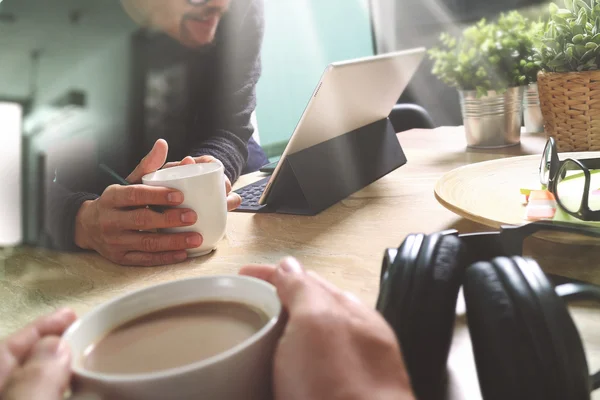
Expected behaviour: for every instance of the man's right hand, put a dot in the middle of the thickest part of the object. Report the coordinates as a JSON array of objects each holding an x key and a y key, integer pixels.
[
  {"x": 118, "y": 224},
  {"x": 333, "y": 346}
]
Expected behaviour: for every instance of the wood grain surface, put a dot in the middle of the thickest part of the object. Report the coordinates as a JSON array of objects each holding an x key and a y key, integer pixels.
[
  {"x": 345, "y": 244},
  {"x": 489, "y": 192}
]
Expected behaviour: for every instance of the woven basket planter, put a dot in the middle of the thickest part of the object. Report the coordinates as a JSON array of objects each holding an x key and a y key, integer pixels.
[{"x": 570, "y": 104}]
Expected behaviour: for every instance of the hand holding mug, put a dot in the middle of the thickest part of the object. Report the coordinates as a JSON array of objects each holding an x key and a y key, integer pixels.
[
  {"x": 333, "y": 347},
  {"x": 233, "y": 199},
  {"x": 204, "y": 189},
  {"x": 34, "y": 363},
  {"x": 120, "y": 226}
]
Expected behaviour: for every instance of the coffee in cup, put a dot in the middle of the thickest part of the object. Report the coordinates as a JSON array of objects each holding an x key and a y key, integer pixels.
[
  {"x": 173, "y": 337},
  {"x": 205, "y": 337}
]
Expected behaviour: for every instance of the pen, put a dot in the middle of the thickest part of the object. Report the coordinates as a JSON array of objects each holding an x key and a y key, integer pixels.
[{"x": 122, "y": 181}]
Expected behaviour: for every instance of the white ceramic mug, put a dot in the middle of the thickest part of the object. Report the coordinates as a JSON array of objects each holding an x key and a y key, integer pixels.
[
  {"x": 203, "y": 188},
  {"x": 243, "y": 372}
]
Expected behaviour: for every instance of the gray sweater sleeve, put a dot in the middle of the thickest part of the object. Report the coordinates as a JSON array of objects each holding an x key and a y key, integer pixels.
[
  {"x": 61, "y": 210},
  {"x": 242, "y": 68}
]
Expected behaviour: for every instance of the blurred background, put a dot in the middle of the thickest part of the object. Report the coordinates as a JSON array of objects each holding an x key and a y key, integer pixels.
[{"x": 80, "y": 83}]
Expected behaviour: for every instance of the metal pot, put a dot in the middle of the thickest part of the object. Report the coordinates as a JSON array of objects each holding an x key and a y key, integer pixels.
[
  {"x": 493, "y": 120},
  {"x": 532, "y": 112}
]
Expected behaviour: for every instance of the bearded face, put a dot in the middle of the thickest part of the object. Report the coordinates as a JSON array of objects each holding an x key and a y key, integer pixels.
[{"x": 191, "y": 22}]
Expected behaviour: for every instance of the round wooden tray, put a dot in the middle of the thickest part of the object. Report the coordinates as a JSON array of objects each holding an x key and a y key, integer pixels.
[{"x": 489, "y": 192}]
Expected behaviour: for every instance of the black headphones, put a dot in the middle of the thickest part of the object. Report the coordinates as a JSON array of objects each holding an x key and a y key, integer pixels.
[{"x": 525, "y": 343}]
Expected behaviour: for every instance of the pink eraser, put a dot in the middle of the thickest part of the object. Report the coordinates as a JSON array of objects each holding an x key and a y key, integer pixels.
[{"x": 532, "y": 213}]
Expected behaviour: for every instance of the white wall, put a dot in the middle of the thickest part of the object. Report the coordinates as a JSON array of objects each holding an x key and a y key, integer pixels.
[
  {"x": 11, "y": 231},
  {"x": 104, "y": 77},
  {"x": 47, "y": 26}
]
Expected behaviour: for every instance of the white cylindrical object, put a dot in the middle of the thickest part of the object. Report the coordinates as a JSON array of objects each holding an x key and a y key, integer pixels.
[
  {"x": 11, "y": 226},
  {"x": 242, "y": 372},
  {"x": 203, "y": 188}
]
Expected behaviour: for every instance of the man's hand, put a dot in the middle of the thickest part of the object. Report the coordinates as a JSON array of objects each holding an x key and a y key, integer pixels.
[
  {"x": 233, "y": 199},
  {"x": 119, "y": 226},
  {"x": 34, "y": 363},
  {"x": 333, "y": 347}
]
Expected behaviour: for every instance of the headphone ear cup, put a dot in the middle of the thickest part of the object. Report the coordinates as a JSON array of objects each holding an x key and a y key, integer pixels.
[
  {"x": 515, "y": 354},
  {"x": 428, "y": 321},
  {"x": 395, "y": 282},
  {"x": 506, "y": 363}
]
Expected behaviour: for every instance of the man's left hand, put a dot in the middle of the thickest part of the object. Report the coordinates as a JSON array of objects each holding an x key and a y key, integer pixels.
[
  {"x": 233, "y": 199},
  {"x": 34, "y": 363}
]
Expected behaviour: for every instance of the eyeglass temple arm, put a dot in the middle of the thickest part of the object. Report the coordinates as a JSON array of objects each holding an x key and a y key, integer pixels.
[
  {"x": 590, "y": 163},
  {"x": 577, "y": 291}
]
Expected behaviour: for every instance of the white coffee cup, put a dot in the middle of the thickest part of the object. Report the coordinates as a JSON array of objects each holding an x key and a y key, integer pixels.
[
  {"x": 203, "y": 188},
  {"x": 243, "y": 372}
]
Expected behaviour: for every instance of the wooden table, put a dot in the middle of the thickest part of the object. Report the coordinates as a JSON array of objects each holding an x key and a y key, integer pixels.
[{"x": 344, "y": 244}]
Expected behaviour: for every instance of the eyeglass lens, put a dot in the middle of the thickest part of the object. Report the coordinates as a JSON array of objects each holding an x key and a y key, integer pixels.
[
  {"x": 570, "y": 185},
  {"x": 594, "y": 192}
]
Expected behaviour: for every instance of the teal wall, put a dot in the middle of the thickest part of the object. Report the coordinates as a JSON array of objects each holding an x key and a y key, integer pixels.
[{"x": 301, "y": 38}]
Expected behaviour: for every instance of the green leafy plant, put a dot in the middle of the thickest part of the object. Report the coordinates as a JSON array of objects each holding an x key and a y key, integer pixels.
[
  {"x": 570, "y": 41},
  {"x": 488, "y": 56}
]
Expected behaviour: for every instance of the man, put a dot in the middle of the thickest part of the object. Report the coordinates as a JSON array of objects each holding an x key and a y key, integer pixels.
[{"x": 225, "y": 38}]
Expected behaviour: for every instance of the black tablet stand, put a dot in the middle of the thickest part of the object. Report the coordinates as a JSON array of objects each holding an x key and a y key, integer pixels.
[{"x": 316, "y": 178}]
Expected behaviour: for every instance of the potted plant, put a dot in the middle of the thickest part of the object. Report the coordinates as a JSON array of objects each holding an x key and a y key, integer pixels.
[
  {"x": 568, "y": 53},
  {"x": 490, "y": 64}
]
